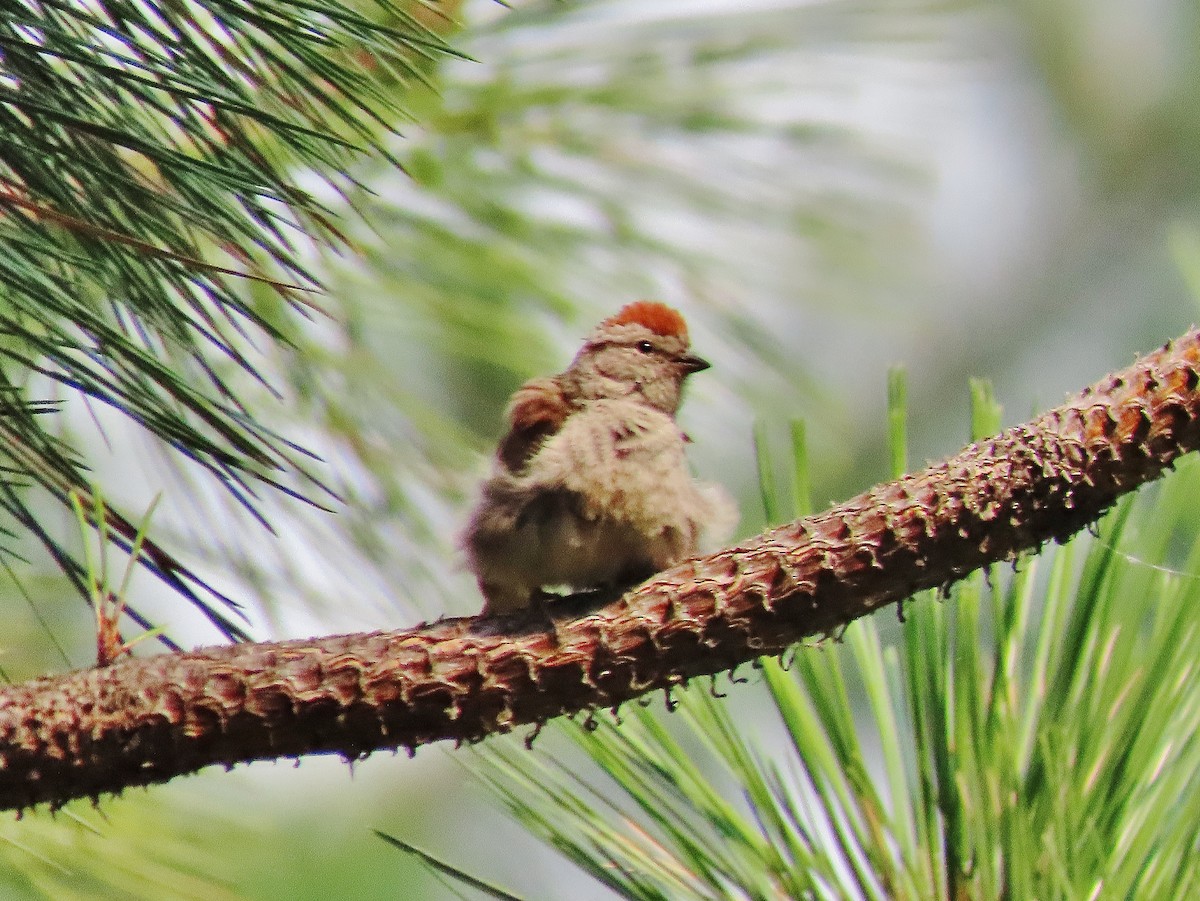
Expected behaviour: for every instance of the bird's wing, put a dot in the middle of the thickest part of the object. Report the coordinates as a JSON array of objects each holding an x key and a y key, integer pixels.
[{"x": 537, "y": 411}]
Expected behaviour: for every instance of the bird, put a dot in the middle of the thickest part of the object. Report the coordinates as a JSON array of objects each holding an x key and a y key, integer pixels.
[{"x": 590, "y": 486}]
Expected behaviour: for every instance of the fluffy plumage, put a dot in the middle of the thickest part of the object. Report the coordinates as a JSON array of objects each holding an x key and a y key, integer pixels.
[{"x": 590, "y": 485}]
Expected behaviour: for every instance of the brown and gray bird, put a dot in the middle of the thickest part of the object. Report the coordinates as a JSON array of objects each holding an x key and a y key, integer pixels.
[{"x": 590, "y": 486}]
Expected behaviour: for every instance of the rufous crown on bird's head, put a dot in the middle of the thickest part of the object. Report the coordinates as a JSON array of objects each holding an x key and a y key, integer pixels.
[{"x": 657, "y": 317}]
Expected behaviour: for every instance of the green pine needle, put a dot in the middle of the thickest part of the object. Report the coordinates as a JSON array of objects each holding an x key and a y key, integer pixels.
[
  {"x": 1030, "y": 737},
  {"x": 148, "y": 161}
]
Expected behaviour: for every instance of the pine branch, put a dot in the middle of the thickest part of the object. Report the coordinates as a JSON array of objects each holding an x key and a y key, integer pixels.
[
  {"x": 149, "y": 155},
  {"x": 146, "y": 721}
]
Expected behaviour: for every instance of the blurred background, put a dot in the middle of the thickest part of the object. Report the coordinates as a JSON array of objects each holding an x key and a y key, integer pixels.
[{"x": 825, "y": 189}]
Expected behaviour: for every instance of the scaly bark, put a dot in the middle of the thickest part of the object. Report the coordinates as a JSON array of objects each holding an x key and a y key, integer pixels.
[{"x": 145, "y": 721}]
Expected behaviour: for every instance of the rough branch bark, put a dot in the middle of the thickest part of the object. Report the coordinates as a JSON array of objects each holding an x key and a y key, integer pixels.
[{"x": 145, "y": 721}]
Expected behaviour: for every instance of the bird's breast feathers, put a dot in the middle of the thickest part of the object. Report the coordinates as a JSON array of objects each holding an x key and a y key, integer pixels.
[{"x": 619, "y": 457}]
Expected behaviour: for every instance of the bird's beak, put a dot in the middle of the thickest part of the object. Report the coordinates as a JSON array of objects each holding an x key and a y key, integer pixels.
[{"x": 692, "y": 363}]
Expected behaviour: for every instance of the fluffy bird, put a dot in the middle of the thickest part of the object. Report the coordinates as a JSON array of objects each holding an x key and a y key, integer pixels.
[{"x": 590, "y": 486}]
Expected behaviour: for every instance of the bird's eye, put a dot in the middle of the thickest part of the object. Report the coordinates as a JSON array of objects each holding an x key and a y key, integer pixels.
[{"x": 645, "y": 346}]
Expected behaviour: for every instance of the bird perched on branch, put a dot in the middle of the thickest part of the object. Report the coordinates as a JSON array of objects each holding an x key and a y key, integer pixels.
[{"x": 590, "y": 486}]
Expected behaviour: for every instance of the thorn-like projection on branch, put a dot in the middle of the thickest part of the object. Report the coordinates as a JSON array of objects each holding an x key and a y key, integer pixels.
[{"x": 139, "y": 722}]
